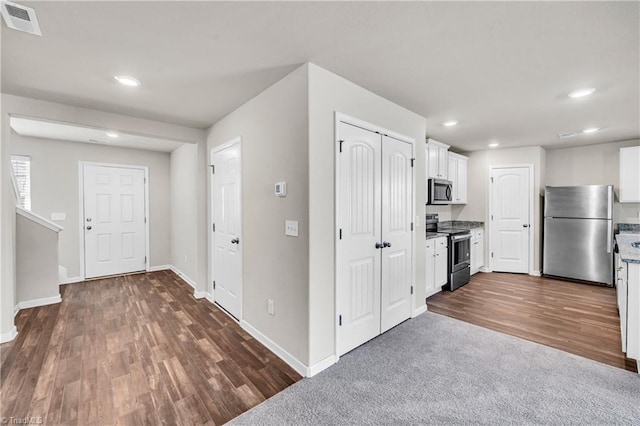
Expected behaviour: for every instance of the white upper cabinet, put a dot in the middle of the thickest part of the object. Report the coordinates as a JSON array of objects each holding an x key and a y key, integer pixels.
[
  {"x": 437, "y": 159},
  {"x": 630, "y": 174},
  {"x": 458, "y": 177}
]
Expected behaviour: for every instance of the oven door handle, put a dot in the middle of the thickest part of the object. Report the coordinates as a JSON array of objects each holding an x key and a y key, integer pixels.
[{"x": 461, "y": 237}]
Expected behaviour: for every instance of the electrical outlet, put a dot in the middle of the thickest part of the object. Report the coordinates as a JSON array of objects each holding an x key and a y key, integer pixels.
[
  {"x": 58, "y": 216},
  {"x": 291, "y": 228},
  {"x": 270, "y": 307}
]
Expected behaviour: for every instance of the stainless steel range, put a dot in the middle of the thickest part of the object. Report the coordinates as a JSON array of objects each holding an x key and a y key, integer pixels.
[{"x": 459, "y": 246}]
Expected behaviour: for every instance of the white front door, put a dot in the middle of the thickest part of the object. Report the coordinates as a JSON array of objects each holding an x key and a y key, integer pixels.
[
  {"x": 227, "y": 228},
  {"x": 358, "y": 261},
  {"x": 510, "y": 222},
  {"x": 374, "y": 257},
  {"x": 397, "y": 203},
  {"x": 114, "y": 220}
]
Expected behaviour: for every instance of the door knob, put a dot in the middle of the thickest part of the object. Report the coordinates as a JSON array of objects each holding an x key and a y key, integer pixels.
[
  {"x": 235, "y": 241},
  {"x": 525, "y": 225},
  {"x": 88, "y": 219},
  {"x": 386, "y": 244},
  {"x": 379, "y": 246},
  {"x": 89, "y": 228}
]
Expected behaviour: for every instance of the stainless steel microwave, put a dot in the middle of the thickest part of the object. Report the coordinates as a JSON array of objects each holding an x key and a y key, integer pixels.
[{"x": 440, "y": 191}]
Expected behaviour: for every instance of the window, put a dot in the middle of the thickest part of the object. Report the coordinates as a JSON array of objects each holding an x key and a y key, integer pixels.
[{"x": 22, "y": 172}]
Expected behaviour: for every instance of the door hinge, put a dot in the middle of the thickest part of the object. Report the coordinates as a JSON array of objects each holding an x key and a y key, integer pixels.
[
  {"x": 145, "y": 260},
  {"x": 340, "y": 233},
  {"x": 491, "y": 179},
  {"x": 213, "y": 169},
  {"x": 341, "y": 141},
  {"x": 340, "y": 320},
  {"x": 145, "y": 220},
  {"x": 213, "y": 226},
  {"x": 214, "y": 285},
  {"x": 412, "y": 226},
  {"x": 491, "y": 217},
  {"x": 411, "y": 289},
  {"x": 412, "y": 161},
  {"x": 491, "y": 254},
  {"x": 144, "y": 180}
]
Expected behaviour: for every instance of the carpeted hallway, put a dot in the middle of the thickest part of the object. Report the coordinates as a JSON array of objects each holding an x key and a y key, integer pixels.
[{"x": 438, "y": 370}]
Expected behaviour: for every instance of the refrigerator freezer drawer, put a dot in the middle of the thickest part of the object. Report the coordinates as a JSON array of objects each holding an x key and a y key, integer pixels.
[
  {"x": 591, "y": 202},
  {"x": 578, "y": 248}
]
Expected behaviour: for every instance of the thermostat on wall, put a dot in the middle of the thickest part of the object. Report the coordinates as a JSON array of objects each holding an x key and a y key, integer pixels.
[{"x": 281, "y": 189}]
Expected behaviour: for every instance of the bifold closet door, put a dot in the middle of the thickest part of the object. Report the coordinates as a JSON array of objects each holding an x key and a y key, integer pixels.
[
  {"x": 358, "y": 263},
  {"x": 397, "y": 200},
  {"x": 374, "y": 242}
]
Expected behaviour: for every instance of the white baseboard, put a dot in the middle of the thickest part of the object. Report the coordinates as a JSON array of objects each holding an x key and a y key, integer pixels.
[
  {"x": 16, "y": 309},
  {"x": 159, "y": 268},
  {"x": 39, "y": 302},
  {"x": 184, "y": 276},
  {"x": 321, "y": 366},
  {"x": 276, "y": 349},
  {"x": 536, "y": 273},
  {"x": 202, "y": 295},
  {"x": 485, "y": 269},
  {"x": 71, "y": 280},
  {"x": 9, "y": 335},
  {"x": 421, "y": 310},
  {"x": 432, "y": 292}
]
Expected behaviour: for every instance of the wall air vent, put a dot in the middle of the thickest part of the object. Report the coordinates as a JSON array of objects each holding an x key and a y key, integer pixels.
[
  {"x": 566, "y": 135},
  {"x": 20, "y": 17}
]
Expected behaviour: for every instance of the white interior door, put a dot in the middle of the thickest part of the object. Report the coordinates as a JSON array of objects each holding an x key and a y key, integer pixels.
[
  {"x": 114, "y": 220},
  {"x": 227, "y": 220},
  {"x": 510, "y": 222},
  {"x": 397, "y": 202},
  {"x": 358, "y": 261}
]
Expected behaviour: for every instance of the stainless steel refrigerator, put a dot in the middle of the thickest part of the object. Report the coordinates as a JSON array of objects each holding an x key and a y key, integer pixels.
[{"x": 578, "y": 233}]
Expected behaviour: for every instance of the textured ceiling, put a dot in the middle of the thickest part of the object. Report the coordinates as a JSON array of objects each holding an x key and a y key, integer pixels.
[{"x": 503, "y": 69}]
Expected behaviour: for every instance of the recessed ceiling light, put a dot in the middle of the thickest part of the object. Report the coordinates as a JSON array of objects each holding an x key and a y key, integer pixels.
[
  {"x": 493, "y": 144},
  {"x": 127, "y": 80},
  {"x": 580, "y": 93},
  {"x": 113, "y": 135},
  {"x": 450, "y": 123},
  {"x": 591, "y": 130}
]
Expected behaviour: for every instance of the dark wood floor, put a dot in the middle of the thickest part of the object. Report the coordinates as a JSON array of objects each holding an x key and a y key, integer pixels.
[
  {"x": 137, "y": 350},
  {"x": 577, "y": 318}
]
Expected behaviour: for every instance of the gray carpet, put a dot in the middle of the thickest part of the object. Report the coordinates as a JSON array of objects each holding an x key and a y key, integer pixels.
[{"x": 438, "y": 370}]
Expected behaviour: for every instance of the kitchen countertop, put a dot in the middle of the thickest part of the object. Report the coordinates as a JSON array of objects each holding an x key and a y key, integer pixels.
[
  {"x": 628, "y": 253},
  {"x": 629, "y": 227},
  {"x": 462, "y": 224},
  {"x": 432, "y": 235}
]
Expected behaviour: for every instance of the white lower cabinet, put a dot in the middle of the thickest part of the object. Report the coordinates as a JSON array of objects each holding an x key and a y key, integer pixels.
[
  {"x": 436, "y": 264},
  {"x": 621, "y": 292},
  {"x": 477, "y": 250}
]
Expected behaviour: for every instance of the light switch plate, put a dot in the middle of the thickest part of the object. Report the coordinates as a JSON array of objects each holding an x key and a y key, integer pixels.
[
  {"x": 58, "y": 216},
  {"x": 291, "y": 228}
]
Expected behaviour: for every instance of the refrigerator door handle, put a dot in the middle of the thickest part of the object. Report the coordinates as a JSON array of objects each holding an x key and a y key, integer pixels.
[
  {"x": 609, "y": 236},
  {"x": 609, "y": 202}
]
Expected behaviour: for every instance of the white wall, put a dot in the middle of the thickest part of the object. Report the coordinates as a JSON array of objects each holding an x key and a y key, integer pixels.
[
  {"x": 36, "y": 261},
  {"x": 478, "y": 188},
  {"x": 184, "y": 211},
  {"x": 329, "y": 93},
  {"x": 274, "y": 131},
  {"x": 592, "y": 165},
  {"x": 54, "y": 188}
]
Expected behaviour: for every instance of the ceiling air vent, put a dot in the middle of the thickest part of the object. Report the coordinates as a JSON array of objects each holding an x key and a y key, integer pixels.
[
  {"x": 566, "y": 135},
  {"x": 20, "y": 18}
]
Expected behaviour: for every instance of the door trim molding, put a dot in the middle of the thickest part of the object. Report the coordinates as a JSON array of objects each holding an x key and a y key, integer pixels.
[
  {"x": 344, "y": 118},
  {"x": 532, "y": 225},
  {"x": 81, "y": 165},
  {"x": 210, "y": 239}
]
